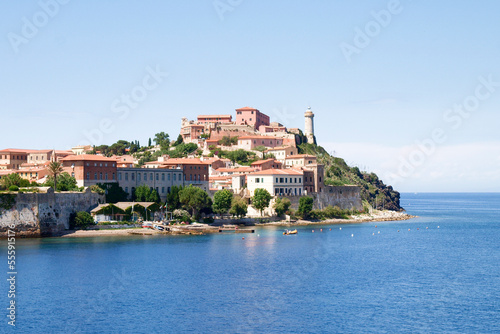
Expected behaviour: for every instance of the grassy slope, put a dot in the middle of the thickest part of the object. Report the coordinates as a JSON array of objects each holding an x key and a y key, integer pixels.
[{"x": 338, "y": 173}]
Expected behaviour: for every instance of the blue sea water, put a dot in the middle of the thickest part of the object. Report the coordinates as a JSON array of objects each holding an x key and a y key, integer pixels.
[{"x": 438, "y": 273}]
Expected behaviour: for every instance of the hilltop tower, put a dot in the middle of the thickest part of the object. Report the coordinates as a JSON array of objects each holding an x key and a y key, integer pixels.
[{"x": 309, "y": 125}]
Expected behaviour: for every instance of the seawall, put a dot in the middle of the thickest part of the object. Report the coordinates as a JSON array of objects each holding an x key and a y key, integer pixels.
[{"x": 45, "y": 214}]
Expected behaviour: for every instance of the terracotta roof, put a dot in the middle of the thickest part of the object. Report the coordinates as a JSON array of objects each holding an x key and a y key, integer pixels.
[
  {"x": 211, "y": 116},
  {"x": 18, "y": 150},
  {"x": 184, "y": 161},
  {"x": 257, "y": 137},
  {"x": 273, "y": 171},
  {"x": 245, "y": 108},
  {"x": 87, "y": 157},
  {"x": 299, "y": 156},
  {"x": 279, "y": 148},
  {"x": 235, "y": 170},
  {"x": 260, "y": 162}
]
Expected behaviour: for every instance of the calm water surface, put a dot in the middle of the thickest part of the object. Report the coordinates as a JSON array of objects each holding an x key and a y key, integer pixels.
[{"x": 433, "y": 274}]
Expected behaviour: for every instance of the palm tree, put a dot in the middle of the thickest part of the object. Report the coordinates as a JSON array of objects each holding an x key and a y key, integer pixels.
[{"x": 55, "y": 168}]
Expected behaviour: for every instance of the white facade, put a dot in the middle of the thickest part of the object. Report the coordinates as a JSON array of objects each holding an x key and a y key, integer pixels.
[
  {"x": 286, "y": 183},
  {"x": 280, "y": 153}
]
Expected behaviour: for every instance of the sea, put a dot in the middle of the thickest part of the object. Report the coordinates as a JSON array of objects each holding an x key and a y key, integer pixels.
[{"x": 438, "y": 273}]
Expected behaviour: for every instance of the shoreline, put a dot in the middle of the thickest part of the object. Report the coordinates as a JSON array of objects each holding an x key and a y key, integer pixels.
[{"x": 377, "y": 216}]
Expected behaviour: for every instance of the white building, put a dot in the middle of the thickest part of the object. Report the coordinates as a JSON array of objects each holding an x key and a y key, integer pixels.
[
  {"x": 300, "y": 160},
  {"x": 280, "y": 153},
  {"x": 278, "y": 182}
]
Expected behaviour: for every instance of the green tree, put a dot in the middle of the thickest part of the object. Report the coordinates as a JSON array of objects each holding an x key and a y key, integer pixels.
[
  {"x": 194, "y": 199},
  {"x": 305, "y": 206},
  {"x": 55, "y": 168},
  {"x": 149, "y": 142},
  {"x": 281, "y": 205},
  {"x": 162, "y": 139},
  {"x": 142, "y": 193},
  {"x": 222, "y": 201},
  {"x": 179, "y": 140},
  {"x": 81, "y": 219},
  {"x": 173, "y": 202},
  {"x": 14, "y": 179},
  {"x": 238, "y": 207},
  {"x": 114, "y": 193},
  {"x": 65, "y": 182},
  {"x": 261, "y": 199}
]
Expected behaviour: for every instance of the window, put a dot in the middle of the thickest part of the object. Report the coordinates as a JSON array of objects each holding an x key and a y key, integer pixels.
[
  {"x": 88, "y": 164},
  {"x": 295, "y": 180},
  {"x": 95, "y": 164},
  {"x": 138, "y": 176},
  {"x": 300, "y": 180},
  {"x": 145, "y": 176},
  {"x": 168, "y": 190},
  {"x": 88, "y": 176},
  {"x": 113, "y": 165},
  {"x": 300, "y": 190},
  {"x": 100, "y": 165},
  {"x": 162, "y": 190},
  {"x": 157, "y": 177},
  {"x": 100, "y": 176},
  {"x": 106, "y": 176},
  {"x": 286, "y": 180},
  {"x": 106, "y": 164},
  {"x": 95, "y": 176},
  {"x": 281, "y": 180},
  {"x": 276, "y": 180},
  {"x": 151, "y": 176},
  {"x": 126, "y": 189},
  {"x": 113, "y": 176},
  {"x": 126, "y": 176},
  {"x": 320, "y": 179},
  {"x": 163, "y": 176},
  {"x": 180, "y": 176},
  {"x": 257, "y": 180},
  {"x": 119, "y": 176}
]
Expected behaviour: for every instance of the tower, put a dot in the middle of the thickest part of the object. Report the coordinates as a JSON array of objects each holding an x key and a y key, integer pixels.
[{"x": 309, "y": 126}]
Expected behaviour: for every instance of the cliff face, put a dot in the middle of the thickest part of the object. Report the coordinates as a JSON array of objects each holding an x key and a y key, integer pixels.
[
  {"x": 45, "y": 214},
  {"x": 338, "y": 173}
]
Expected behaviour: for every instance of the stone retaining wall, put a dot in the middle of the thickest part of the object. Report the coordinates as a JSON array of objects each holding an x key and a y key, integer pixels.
[{"x": 46, "y": 214}]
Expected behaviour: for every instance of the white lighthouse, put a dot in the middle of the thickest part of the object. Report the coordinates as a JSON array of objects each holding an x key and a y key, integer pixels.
[{"x": 309, "y": 126}]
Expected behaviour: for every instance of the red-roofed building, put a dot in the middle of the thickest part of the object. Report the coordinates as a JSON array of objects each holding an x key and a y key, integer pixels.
[
  {"x": 90, "y": 169},
  {"x": 252, "y": 117},
  {"x": 251, "y": 142},
  {"x": 12, "y": 158},
  {"x": 125, "y": 161},
  {"x": 195, "y": 171},
  {"x": 300, "y": 160},
  {"x": 266, "y": 164},
  {"x": 213, "y": 119}
]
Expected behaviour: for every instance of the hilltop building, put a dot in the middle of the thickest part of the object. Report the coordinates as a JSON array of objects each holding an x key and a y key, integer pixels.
[{"x": 309, "y": 126}]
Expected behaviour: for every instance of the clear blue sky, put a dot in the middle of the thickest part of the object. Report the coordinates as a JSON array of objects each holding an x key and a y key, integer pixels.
[{"x": 279, "y": 57}]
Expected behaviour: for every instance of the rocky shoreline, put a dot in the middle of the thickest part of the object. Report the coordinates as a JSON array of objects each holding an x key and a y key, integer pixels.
[{"x": 375, "y": 216}]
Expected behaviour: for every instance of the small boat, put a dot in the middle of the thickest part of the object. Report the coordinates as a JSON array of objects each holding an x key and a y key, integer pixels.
[{"x": 287, "y": 232}]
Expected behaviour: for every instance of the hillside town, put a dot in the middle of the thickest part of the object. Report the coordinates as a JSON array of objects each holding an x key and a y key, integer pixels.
[{"x": 277, "y": 165}]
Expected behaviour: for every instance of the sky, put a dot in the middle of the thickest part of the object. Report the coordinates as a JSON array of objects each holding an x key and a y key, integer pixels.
[{"x": 407, "y": 89}]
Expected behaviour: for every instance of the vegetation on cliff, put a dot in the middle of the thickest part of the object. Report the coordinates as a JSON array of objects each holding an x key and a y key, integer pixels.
[{"x": 338, "y": 173}]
